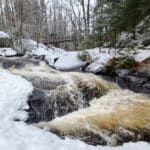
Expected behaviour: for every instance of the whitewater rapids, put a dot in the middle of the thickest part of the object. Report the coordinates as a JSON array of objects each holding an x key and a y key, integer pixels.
[
  {"x": 113, "y": 116},
  {"x": 118, "y": 116}
]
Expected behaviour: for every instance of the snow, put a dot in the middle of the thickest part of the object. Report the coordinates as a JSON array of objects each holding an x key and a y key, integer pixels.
[
  {"x": 99, "y": 57},
  {"x": 7, "y": 52},
  {"x": 100, "y": 63},
  {"x": 4, "y": 35},
  {"x": 142, "y": 55},
  {"x": 18, "y": 135},
  {"x": 51, "y": 53},
  {"x": 69, "y": 61},
  {"x": 13, "y": 96},
  {"x": 56, "y": 57}
]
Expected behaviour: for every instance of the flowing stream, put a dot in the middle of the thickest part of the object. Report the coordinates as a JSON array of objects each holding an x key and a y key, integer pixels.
[{"x": 81, "y": 105}]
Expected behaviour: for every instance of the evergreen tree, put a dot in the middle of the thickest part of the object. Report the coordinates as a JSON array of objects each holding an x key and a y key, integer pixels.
[{"x": 115, "y": 16}]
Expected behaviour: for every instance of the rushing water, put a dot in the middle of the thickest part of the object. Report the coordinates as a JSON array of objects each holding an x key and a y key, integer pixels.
[
  {"x": 82, "y": 105},
  {"x": 119, "y": 116}
]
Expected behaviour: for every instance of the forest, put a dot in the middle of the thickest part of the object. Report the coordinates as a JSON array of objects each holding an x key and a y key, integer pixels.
[{"x": 90, "y": 23}]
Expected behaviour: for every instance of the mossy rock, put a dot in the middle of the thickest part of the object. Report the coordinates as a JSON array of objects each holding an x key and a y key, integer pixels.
[
  {"x": 84, "y": 56},
  {"x": 122, "y": 62}
]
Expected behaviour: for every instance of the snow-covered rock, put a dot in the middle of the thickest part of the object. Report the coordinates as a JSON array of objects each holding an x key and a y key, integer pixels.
[
  {"x": 141, "y": 55},
  {"x": 7, "y": 52},
  {"x": 4, "y": 35},
  {"x": 56, "y": 57},
  {"x": 100, "y": 63},
  {"x": 99, "y": 58},
  {"x": 70, "y": 61}
]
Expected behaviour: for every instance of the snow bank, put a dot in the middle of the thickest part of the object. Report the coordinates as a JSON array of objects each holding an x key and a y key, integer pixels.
[
  {"x": 7, "y": 52},
  {"x": 20, "y": 136},
  {"x": 97, "y": 52},
  {"x": 56, "y": 57},
  {"x": 14, "y": 91},
  {"x": 4, "y": 35}
]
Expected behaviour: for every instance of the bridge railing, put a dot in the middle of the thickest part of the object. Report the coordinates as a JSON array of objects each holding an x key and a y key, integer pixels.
[{"x": 56, "y": 40}]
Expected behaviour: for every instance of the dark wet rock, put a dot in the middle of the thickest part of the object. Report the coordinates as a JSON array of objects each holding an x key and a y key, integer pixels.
[
  {"x": 17, "y": 63},
  {"x": 52, "y": 99},
  {"x": 45, "y": 106},
  {"x": 40, "y": 109},
  {"x": 146, "y": 42},
  {"x": 90, "y": 93},
  {"x": 128, "y": 79},
  {"x": 45, "y": 83}
]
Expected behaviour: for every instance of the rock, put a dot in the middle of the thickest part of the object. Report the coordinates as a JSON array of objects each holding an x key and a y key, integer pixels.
[
  {"x": 146, "y": 42},
  {"x": 144, "y": 67},
  {"x": 128, "y": 79}
]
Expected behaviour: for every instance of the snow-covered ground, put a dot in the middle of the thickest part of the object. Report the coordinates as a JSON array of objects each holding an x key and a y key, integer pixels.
[
  {"x": 18, "y": 135},
  {"x": 56, "y": 57},
  {"x": 99, "y": 57}
]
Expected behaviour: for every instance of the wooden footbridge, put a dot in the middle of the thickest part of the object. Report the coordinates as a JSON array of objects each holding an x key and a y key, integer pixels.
[{"x": 57, "y": 40}]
